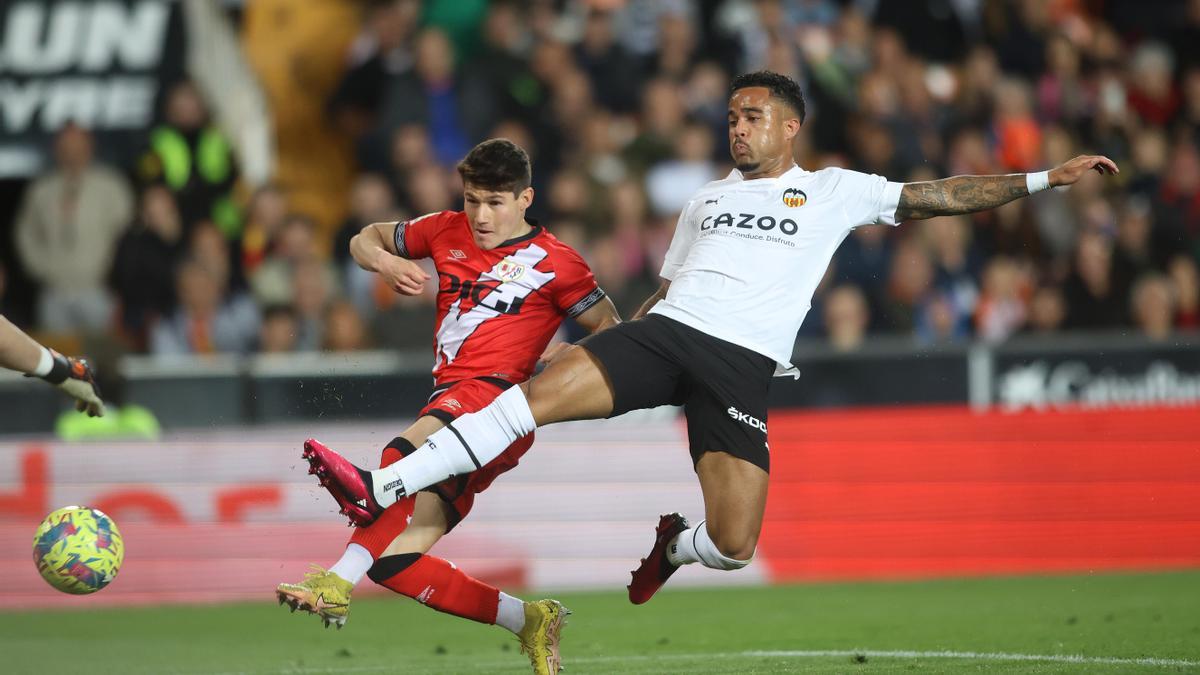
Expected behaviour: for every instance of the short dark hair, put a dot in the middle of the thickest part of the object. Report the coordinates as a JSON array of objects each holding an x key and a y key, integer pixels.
[
  {"x": 781, "y": 87},
  {"x": 497, "y": 165}
]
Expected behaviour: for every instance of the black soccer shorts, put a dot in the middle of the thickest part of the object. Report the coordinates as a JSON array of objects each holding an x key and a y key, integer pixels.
[{"x": 722, "y": 386}]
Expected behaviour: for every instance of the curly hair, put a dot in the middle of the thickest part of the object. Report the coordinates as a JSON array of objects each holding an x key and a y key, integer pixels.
[{"x": 781, "y": 87}]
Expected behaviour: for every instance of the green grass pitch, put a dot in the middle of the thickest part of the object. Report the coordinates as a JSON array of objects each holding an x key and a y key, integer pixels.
[{"x": 1116, "y": 623}]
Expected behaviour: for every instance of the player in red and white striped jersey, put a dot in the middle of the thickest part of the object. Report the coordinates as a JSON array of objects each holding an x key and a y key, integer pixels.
[{"x": 504, "y": 286}]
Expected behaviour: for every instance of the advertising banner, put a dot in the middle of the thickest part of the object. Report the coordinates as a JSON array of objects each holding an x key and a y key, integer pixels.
[
  {"x": 102, "y": 64},
  {"x": 1117, "y": 376},
  {"x": 868, "y": 494}
]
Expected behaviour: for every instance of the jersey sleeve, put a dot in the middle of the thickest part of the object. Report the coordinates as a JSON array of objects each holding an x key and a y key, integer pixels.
[
  {"x": 575, "y": 289},
  {"x": 414, "y": 238},
  {"x": 868, "y": 198},
  {"x": 681, "y": 243}
]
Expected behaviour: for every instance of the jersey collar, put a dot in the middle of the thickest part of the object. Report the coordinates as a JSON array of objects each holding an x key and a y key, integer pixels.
[
  {"x": 793, "y": 172},
  {"x": 534, "y": 231}
]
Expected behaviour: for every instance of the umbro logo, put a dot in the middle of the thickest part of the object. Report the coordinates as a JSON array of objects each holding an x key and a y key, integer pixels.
[
  {"x": 457, "y": 254},
  {"x": 424, "y": 596}
]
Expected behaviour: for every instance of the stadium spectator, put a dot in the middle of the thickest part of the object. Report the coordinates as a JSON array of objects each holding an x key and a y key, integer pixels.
[
  {"x": 940, "y": 320},
  {"x": 501, "y": 63},
  {"x": 1152, "y": 305},
  {"x": 371, "y": 201},
  {"x": 429, "y": 190},
  {"x": 204, "y": 321},
  {"x": 380, "y": 53},
  {"x": 313, "y": 289},
  {"x": 613, "y": 71},
  {"x": 864, "y": 260},
  {"x": 432, "y": 94},
  {"x": 143, "y": 271},
  {"x": 66, "y": 234},
  {"x": 1177, "y": 211},
  {"x": 1185, "y": 281},
  {"x": 846, "y": 318},
  {"x": 1133, "y": 254},
  {"x": 956, "y": 268},
  {"x": 909, "y": 282},
  {"x": 194, "y": 159},
  {"x": 1001, "y": 310},
  {"x": 1153, "y": 94},
  {"x": 277, "y": 334},
  {"x": 602, "y": 94},
  {"x": 345, "y": 330},
  {"x": 687, "y": 171},
  {"x": 1047, "y": 311},
  {"x": 1091, "y": 297},
  {"x": 267, "y": 211},
  {"x": 271, "y": 283}
]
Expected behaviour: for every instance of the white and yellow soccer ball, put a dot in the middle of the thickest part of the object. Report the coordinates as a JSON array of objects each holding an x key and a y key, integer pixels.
[{"x": 78, "y": 550}]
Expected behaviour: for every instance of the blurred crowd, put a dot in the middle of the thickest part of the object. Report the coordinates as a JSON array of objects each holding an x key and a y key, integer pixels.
[{"x": 621, "y": 105}]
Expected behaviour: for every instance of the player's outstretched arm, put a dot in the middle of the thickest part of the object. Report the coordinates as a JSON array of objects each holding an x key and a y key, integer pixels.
[
  {"x": 22, "y": 353},
  {"x": 374, "y": 249},
  {"x": 598, "y": 317},
  {"x": 967, "y": 194},
  {"x": 653, "y": 299}
]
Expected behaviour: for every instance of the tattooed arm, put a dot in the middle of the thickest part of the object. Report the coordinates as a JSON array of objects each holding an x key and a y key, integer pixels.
[{"x": 967, "y": 194}]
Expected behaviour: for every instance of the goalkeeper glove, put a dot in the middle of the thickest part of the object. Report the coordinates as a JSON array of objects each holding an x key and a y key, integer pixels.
[{"x": 75, "y": 377}]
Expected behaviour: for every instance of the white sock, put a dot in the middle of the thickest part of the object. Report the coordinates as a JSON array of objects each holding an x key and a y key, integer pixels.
[
  {"x": 353, "y": 564},
  {"x": 466, "y": 444},
  {"x": 511, "y": 613},
  {"x": 694, "y": 545}
]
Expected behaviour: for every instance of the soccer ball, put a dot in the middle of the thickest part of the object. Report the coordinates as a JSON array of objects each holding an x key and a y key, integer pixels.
[{"x": 78, "y": 550}]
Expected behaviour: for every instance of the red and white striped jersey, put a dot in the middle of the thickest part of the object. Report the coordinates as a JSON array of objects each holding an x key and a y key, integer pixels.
[{"x": 497, "y": 309}]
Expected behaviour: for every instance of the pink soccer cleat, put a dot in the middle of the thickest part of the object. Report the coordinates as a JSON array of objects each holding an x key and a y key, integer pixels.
[{"x": 349, "y": 485}]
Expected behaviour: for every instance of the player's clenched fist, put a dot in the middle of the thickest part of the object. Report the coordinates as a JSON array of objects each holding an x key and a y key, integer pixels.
[
  {"x": 404, "y": 276},
  {"x": 75, "y": 377}
]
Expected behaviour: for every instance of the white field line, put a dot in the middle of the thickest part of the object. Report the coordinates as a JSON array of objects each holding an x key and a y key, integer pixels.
[{"x": 793, "y": 654}]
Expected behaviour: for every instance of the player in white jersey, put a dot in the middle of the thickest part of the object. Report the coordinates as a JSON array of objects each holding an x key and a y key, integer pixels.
[{"x": 738, "y": 279}]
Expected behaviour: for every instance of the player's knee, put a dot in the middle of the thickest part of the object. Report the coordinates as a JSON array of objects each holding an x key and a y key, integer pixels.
[
  {"x": 397, "y": 449},
  {"x": 389, "y": 565},
  {"x": 735, "y": 547}
]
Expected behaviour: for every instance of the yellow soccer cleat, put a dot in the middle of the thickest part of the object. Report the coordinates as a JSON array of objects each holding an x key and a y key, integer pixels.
[
  {"x": 322, "y": 593},
  {"x": 544, "y": 620}
]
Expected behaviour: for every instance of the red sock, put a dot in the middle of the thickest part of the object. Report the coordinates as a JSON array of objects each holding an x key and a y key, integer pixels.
[
  {"x": 380, "y": 534},
  {"x": 439, "y": 584},
  {"x": 377, "y": 536}
]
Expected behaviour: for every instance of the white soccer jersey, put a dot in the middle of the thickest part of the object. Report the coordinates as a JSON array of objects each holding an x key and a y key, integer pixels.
[{"x": 748, "y": 254}]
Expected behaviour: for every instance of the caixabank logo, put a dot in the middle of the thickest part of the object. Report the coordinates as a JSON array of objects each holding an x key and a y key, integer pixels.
[{"x": 794, "y": 197}]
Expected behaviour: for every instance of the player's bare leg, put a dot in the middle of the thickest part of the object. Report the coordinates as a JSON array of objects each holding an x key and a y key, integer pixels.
[
  {"x": 572, "y": 387},
  {"x": 735, "y": 497}
]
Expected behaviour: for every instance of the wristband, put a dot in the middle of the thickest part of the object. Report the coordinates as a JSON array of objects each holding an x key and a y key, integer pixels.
[
  {"x": 1036, "y": 182},
  {"x": 45, "y": 364}
]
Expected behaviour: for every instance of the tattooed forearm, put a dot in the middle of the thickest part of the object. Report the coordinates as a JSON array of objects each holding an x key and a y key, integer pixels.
[{"x": 960, "y": 194}]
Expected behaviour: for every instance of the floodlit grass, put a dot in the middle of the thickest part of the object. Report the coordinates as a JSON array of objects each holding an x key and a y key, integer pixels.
[{"x": 994, "y": 625}]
